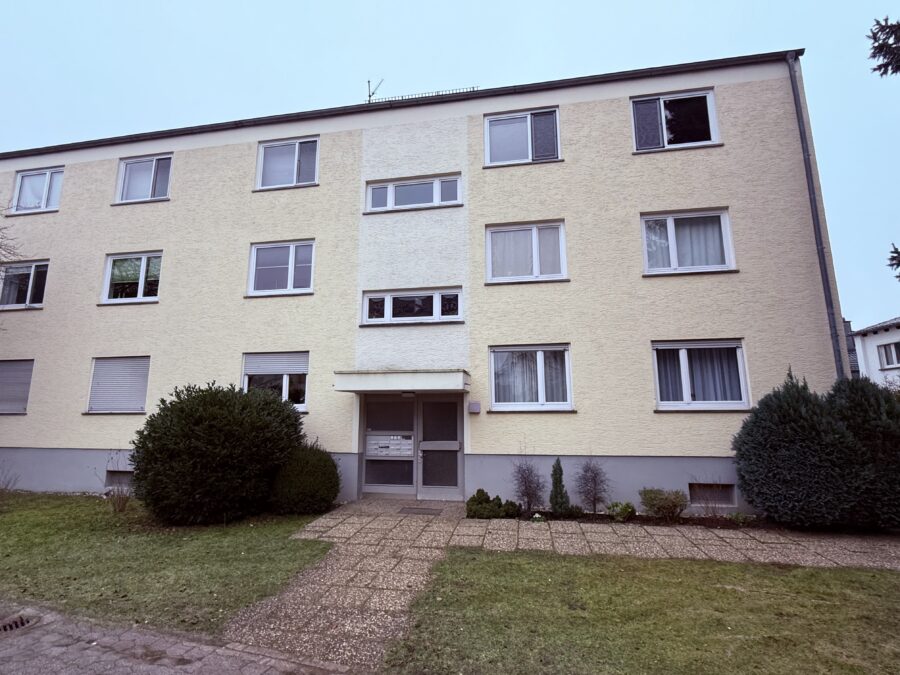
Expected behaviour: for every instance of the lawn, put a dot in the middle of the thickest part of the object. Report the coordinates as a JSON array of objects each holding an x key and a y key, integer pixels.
[
  {"x": 545, "y": 613},
  {"x": 75, "y": 554}
]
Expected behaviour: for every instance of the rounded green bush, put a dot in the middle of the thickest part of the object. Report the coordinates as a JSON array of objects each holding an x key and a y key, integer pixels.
[
  {"x": 210, "y": 454},
  {"x": 308, "y": 482}
]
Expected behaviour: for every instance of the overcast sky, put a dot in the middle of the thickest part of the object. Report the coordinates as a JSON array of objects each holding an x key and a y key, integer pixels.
[{"x": 89, "y": 69}]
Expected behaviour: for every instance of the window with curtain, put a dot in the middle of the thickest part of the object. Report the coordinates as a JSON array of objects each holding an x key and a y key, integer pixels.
[
  {"x": 132, "y": 278},
  {"x": 22, "y": 284},
  {"x": 702, "y": 374},
  {"x": 288, "y": 163},
  {"x": 281, "y": 269},
  {"x": 673, "y": 121},
  {"x": 688, "y": 242},
  {"x": 38, "y": 190},
  {"x": 522, "y": 137},
  {"x": 144, "y": 179},
  {"x": 526, "y": 252},
  {"x": 889, "y": 355},
  {"x": 530, "y": 378}
]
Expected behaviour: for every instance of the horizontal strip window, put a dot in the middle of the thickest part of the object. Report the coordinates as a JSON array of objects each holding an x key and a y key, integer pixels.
[
  {"x": 526, "y": 252},
  {"x": 434, "y": 306},
  {"x": 288, "y": 163},
  {"x": 522, "y": 137},
  {"x": 22, "y": 284},
  {"x": 144, "y": 178},
  {"x": 689, "y": 242},
  {"x": 414, "y": 194},
  {"x": 15, "y": 384},
  {"x": 281, "y": 269},
  {"x": 531, "y": 378},
  {"x": 889, "y": 355},
  {"x": 675, "y": 121},
  {"x": 132, "y": 278},
  {"x": 700, "y": 375},
  {"x": 38, "y": 190},
  {"x": 119, "y": 384},
  {"x": 283, "y": 373}
]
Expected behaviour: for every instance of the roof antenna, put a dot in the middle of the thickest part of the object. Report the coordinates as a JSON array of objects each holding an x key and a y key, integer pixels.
[{"x": 372, "y": 92}]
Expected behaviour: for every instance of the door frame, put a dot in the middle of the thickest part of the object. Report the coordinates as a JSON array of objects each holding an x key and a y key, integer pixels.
[{"x": 450, "y": 493}]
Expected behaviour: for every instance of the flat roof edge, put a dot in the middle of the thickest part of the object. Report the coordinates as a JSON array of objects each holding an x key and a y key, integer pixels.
[{"x": 732, "y": 61}]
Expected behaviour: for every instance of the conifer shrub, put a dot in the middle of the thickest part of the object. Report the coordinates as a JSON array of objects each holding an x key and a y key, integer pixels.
[
  {"x": 210, "y": 454},
  {"x": 667, "y": 505},
  {"x": 559, "y": 496},
  {"x": 307, "y": 483},
  {"x": 480, "y": 505}
]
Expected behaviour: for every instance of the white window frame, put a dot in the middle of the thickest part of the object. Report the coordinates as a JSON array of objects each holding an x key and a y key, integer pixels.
[
  {"x": 436, "y": 316},
  {"x": 120, "y": 183},
  {"x": 33, "y": 264},
  {"x": 144, "y": 256},
  {"x": 36, "y": 172},
  {"x": 285, "y": 387},
  {"x": 682, "y": 347},
  {"x": 296, "y": 143},
  {"x": 727, "y": 243},
  {"x": 526, "y": 114},
  {"x": 662, "y": 98},
  {"x": 535, "y": 253},
  {"x": 293, "y": 252},
  {"x": 541, "y": 403},
  {"x": 435, "y": 194},
  {"x": 882, "y": 348}
]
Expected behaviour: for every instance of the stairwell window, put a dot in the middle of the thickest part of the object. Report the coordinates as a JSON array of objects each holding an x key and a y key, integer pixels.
[
  {"x": 281, "y": 372},
  {"x": 284, "y": 268},
  {"x": 414, "y": 194},
  {"x": 689, "y": 242},
  {"x": 520, "y": 138},
  {"x": 38, "y": 190},
  {"x": 398, "y": 307},
  {"x": 288, "y": 163},
  {"x": 22, "y": 284},
  {"x": 674, "y": 121},
  {"x": 132, "y": 277},
  {"x": 144, "y": 178},
  {"x": 700, "y": 375},
  {"x": 527, "y": 378}
]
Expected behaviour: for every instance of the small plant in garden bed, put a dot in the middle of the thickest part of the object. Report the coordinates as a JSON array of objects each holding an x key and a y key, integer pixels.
[
  {"x": 621, "y": 512},
  {"x": 560, "y": 506},
  {"x": 529, "y": 484},
  {"x": 480, "y": 505},
  {"x": 665, "y": 504}
]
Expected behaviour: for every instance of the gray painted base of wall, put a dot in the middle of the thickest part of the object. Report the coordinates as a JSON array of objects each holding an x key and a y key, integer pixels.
[
  {"x": 63, "y": 469},
  {"x": 626, "y": 475},
  {"x": 348, "y": 468}
]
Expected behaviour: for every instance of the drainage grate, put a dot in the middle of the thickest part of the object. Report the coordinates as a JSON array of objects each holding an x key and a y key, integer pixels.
[
  {"x": 16, "y": 622},
  {"x": 420, "y": 511}
]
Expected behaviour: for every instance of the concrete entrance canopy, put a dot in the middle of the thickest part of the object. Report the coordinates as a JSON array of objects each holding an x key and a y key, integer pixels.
[{"x": 393, "y": 381}]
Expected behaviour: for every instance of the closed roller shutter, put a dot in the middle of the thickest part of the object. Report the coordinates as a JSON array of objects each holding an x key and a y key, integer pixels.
[
  {"x": 15, "y": 383},
  {"x": 280, "y": 363},
  {"x": 119, "y": 384}
]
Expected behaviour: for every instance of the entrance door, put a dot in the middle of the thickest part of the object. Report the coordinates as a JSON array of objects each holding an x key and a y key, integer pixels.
[{"x": 439, "y": 440}]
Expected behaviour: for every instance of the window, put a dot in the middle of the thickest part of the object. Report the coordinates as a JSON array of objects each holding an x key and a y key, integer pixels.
[
  {"x": 144, "y": 179},
  {"x": 678, "y": 120},
  {"x": 15, "y": 384},
  {"x": 281, "y": 372},
  {"x": 132, "y": 278},
  {"x": 119, "y": 384},
  {"x": 412, "y": 306},
  {"x": 889, "y": 355},
  {"x": 281, "y": 269},
  {"x": 701, "y": 375},
  {"x": 38, "y": 190},
  {"x": 22, "y": 284},
  {"x": 526, "y": 252},
  {"x": 690, "y": 242},
  {"x": 522, "y": 137},
  {"x": 531, "y": 378},
  {"x": 288, "y": 163},
  {"x": 711, "y": 494},
  {"x": 414, "y": 194}
]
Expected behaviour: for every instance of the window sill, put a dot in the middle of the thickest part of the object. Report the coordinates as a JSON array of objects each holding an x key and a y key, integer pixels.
[
  {"x": 128, "y": 302},
  {"x": 22, "y": 308},
  {"x": 278, "y": 295},
  {"x": 678, "y": 273},
  {"x": 542, "y": 411},
  {"x": 742, "y": 410},
  {"x": 676, "y": 148},
  {"x": 897, "y": 367},
  {"x": 411, "y": 323},
  {"x": 115, "y": 412},
  {"x": 540, "y": 161},
  {"x": 7, "y": 414},
  {"x": 141, "y": 201},
  {"x": 284, "y": 187},
  {"x": 413, "y": 208},
  {"x": 526, "y": 281},
  {"x": 12, "y": 214}
]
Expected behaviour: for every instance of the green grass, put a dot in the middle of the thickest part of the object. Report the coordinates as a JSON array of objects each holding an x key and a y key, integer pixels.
[
  {"x": 544, "y": 613},
  {"x": 74, "y": 554}
]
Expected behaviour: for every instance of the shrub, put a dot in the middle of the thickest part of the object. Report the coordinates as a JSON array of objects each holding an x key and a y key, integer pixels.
[
  {"x": 480, "y": 505},
  {"x": 559, "y": 497},
  {"x": 621, "y": 512},
  {"x": 665, "y": 504},
  {"x": 529, "y": 485},
  {"x": 308, "y": 482},
  {"x": 210, "y": 454},
  {"x": 810, "y": 460},
  {"x": 591, "y": 484}
]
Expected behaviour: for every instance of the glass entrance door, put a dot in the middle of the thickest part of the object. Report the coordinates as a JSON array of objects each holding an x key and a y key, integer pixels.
[{"x": 439, "y": 448}]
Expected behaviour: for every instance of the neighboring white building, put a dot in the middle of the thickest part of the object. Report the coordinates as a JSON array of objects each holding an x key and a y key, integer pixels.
[{"x": 878, "y": 350}]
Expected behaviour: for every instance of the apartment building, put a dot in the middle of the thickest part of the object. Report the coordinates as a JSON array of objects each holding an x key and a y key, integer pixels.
[
  {"x": 615, "y": 266},
  {"x": 878, "y": 352}
]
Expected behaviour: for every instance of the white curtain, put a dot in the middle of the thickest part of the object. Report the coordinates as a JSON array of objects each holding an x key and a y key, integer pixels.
[
  {"x": 508, "y": 139},
  {"x": 548, "y": 250},
  {"x": 668, "y": 369},
  {"x": 31, "y": 192},
  {"x": 138, "y": 179},
  {"x": 714, "y": 374},
  {"x": 515, "y": 377},
  {"x": 555, "y": 377},
  {"x": 511, "y": 254},
  {"x": 278, "y": 165},
  {"x": 657, "y": 237},
  {"x": 699, "y": 241}
]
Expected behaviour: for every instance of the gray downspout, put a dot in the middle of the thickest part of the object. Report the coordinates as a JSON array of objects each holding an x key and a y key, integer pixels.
[{"x": 817, "y": 222}]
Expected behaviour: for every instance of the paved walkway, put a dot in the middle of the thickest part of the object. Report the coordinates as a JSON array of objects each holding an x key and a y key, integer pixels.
[{"x": 355, "y": 601}]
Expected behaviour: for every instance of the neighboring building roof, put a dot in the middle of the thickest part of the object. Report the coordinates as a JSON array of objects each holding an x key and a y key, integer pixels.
[
  {"x": 884, "y": 325},
  {"x": 415, "y": 101},
  {"x": 851, "y": 349}
]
